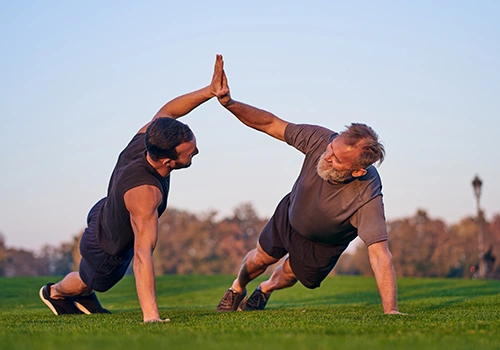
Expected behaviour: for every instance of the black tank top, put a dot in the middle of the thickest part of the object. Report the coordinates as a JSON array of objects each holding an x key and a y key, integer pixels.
[{"x": 115, "y": 234}]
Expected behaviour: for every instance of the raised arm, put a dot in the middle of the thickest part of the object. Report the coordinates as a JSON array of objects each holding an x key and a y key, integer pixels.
[
  {"x": 142, "y": 202},
  {"x": 381, "y": 263},
  {"x": 184, "y": 104},
  {"x": 251, "y": 116}
]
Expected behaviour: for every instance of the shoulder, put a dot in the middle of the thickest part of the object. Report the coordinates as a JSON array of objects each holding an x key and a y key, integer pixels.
[
  {"x": 372, "y": 173},
  {"x": 134, "y": 148},
  {"x": 293, "y": 130},
  {"x": 143, "y": 198},
  {"x": 306, "y": 137},
  {"x": 133, "y": 170},
  {"x": 369, "y": 185},
  {"x": 137, "y": 140}
]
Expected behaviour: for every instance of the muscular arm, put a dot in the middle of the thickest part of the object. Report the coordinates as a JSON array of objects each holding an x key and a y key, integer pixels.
[
  {"x": 142, "y": 202},
  {"x": 184, "y": 104},
  {"x": 253, "y": 117},
  {"x": 381, "y": 263},
  {"x": 258, "y": 119}
]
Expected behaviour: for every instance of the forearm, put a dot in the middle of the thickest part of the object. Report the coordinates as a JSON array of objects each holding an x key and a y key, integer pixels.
[
  {"x": 258, "y": 119},
  {"x": 146, "y": 285},
  {"x": 386, "y": 281},
  {"x": 184, "y": 104}
]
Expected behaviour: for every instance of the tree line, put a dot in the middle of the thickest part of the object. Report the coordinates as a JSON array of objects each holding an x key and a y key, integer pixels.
[{"x": 191, "y": 243}]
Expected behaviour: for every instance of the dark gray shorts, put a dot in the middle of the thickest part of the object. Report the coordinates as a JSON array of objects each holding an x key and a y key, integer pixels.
[
  {"x": 99, "y": 270},
  {"x": 310, "y": 261}
]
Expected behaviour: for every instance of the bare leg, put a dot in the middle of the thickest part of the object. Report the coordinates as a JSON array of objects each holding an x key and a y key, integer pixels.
[
  {"x": 70, "y": 285},
  {"x": 254, "y": 264},
  {"x": 282, "y": 277}
]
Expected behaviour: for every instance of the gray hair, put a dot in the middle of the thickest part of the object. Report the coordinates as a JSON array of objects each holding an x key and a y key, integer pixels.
[{"x": 366, "y": 139}]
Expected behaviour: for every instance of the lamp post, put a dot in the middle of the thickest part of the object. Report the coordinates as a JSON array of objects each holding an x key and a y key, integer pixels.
[{"x": 476, "y": 184}]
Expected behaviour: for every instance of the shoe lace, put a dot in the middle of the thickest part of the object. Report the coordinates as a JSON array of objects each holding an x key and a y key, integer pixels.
[
  {"x": 227, "y": 299},
  {"x": 260, "y": 299}
]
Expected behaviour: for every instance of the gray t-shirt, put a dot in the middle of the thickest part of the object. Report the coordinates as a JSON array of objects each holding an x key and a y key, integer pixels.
[{"x": 333, "y": 213}]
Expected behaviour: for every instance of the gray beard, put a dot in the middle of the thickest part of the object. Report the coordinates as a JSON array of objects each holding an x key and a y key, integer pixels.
[{"x": 327, "y": 173}]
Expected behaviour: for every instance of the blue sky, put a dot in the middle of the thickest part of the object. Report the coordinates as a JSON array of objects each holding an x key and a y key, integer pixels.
[{"x": 80, "y": 78}]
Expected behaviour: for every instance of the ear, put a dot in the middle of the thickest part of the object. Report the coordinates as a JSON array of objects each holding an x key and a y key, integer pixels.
[
  {"x": 358, "y": 173},
  {"x": 167, "y": 162}
]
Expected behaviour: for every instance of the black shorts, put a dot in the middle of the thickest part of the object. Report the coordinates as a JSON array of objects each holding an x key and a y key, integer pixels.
[
  {"x": 99, "y": 270},
  {"x": 310, "y": 261}
]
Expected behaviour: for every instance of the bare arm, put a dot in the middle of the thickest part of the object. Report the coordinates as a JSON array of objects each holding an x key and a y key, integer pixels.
[
  {"x": 142, "y": 202},
  {"x": 381, "y": 263},
  {"x": 184, "y": 104},
  {"x": 251, "y": 116}
]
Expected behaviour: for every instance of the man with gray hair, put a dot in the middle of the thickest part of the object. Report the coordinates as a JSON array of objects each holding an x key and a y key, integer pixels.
[{"x": 337, "y": 197}]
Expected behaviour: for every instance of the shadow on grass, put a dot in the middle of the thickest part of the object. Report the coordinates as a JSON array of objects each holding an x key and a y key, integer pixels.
[{"x": 430, "y": 294}]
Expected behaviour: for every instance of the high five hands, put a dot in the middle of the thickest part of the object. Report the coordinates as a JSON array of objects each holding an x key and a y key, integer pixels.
[{"x": 219, "y": 86}]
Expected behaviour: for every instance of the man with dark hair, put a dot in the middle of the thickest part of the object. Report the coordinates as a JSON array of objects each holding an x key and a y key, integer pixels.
[
  {"x": 337, "y": 197},
  {"x": 124, "y": 224}
]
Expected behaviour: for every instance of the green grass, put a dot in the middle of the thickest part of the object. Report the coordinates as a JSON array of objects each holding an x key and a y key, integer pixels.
[{"x": 345, "y": 313}]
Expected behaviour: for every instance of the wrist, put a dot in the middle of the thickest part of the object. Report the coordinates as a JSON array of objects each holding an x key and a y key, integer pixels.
[
  {"x": 208, "y": 92},
  {"x": 226, "y": 102}
]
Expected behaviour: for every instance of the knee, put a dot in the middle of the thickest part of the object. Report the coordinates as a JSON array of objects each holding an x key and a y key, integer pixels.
[
  {"x": 261, "y": 258},
  {"x": 288, "y": 272}
]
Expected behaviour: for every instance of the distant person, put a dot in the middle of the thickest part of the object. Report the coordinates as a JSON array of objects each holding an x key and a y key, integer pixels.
[
  {"x": 337, "y": 197},
  {"x": 124, "y": 224}
]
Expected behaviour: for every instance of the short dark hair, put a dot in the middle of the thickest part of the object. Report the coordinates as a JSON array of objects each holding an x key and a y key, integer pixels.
[
  {"x": 366, "y": 139},
  {"x": 163, "y": 135}
]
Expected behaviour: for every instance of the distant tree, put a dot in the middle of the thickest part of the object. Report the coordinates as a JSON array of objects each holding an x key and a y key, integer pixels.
[
  {"x": 201, "y": 244},
  {"x": 75, "y": 251},
  {"x": 421, "y": 246},
  {"x": 20, "y": 262},
  {"x": 237, "y": 235},
  {"x": 175, "y": 235},
  {"x": 467, "y": 242},
  {"x": 465, "y": 246},
  {"x": 493, "y": 243},
  {"x": 58, "y": 260},
  {"x": 360, "y": 261},
  {"x": 353, "y": 263},
  {"x": 3, "y": 254},
  {"x": 493, "y": 237}
]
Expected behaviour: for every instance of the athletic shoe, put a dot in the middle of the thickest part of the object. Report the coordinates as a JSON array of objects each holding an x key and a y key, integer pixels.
[
  {"x": 89, "y": 304},
  {"x": 58, "y": 306},
  {"x": 256, "y": 301},
  {"x": 231, "y": 300}
]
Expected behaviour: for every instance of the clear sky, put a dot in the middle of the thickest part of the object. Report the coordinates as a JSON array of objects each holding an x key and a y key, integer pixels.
[{"x": 79, "y": 78}]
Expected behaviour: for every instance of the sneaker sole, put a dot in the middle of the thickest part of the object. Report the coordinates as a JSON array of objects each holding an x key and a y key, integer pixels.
[
  {"x": 46, "y": 302},
  {"x": 242, "y": 304},
  {"x": 82, "y": 308}
]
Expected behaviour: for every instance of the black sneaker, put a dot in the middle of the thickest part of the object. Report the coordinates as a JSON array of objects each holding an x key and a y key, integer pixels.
[
  {"x": 58, "y": 306},
  {"x": 256, "y": 301},
  {"x": 89, "y": 304},
  {"x": 231, "y": 300}
]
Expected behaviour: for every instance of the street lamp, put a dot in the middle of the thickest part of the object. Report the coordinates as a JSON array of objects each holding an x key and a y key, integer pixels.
[{"x": 476, "y": 184}]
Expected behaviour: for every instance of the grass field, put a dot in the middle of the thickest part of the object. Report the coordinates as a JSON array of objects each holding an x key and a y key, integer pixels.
[{"x": 345, "y": 313}]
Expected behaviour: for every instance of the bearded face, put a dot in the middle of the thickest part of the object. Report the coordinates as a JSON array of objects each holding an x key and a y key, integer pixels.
[{"x": 326, "y": 171}]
